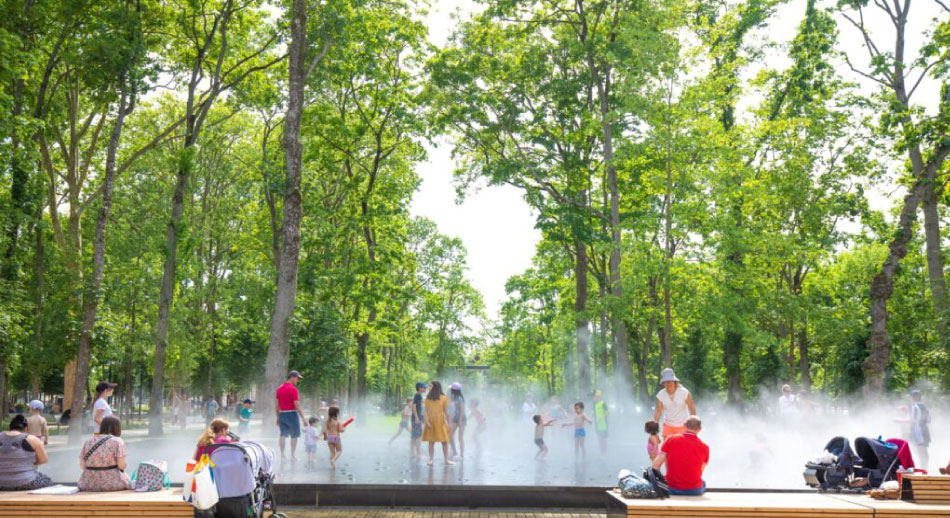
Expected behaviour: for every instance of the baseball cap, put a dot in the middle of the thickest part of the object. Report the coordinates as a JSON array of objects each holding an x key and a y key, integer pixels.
[
  {"x": 421, "y": 385},
  {"x": 105, "y": 385},
  {"x": 456, "y": 386},
  {"x": 36, "y": 405},
  {"x": 294, "y": 374},
  {"x": 249, "y": 400}
]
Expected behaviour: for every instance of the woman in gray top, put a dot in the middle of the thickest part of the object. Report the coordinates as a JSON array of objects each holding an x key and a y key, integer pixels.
[{"x": 20, "y": 454}]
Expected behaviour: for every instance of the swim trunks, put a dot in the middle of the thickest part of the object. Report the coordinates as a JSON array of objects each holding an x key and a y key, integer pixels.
[
  {"x": 539, "y": 442},
  {"x": 580, "y": 432}
]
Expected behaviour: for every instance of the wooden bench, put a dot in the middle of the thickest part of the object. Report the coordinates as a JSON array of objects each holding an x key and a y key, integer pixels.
[
  {"x": 929, "y": 489},
  {"x": 121, "y": 504},
  {"x": 737, "y": 505}
]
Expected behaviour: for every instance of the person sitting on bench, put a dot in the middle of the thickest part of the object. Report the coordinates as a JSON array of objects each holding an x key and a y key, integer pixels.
[
  {"x": 20, "y": 454},
  {"x": 686, "y": 457},
  {"x": 103, "y": 459}
]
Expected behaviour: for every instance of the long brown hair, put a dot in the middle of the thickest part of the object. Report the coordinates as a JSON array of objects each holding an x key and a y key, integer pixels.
[
  {"x": 218, "y": 425},
  {"x": 435, "y": 393}
]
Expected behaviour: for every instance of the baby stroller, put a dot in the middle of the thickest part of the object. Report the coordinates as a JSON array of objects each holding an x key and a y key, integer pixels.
[
  {"x": 879, "y": 461},
  {"x": 835, "y": 472},
  {"x": 244, "y": 475}
]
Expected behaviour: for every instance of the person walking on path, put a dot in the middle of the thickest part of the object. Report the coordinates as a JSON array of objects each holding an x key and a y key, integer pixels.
[
  {"x": 289, "y": 414},
  {"x": 101, "y": 408},
  {"x": 674, "y": 403},
  {"x": 244, "y": 417},
  {"x": 600, "y": 421},
  {"x": 920, "y": 428},
  {"x": 686, "y": 457},
  {"x": 211, "y": 410},
  {"x": 418, "y": 418},
  {"x": 437, "y": 422},
  {"x": 528, "y": 408}
]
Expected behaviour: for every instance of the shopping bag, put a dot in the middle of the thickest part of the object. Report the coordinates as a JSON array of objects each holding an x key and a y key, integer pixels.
[{"x": 205, "y": 489}]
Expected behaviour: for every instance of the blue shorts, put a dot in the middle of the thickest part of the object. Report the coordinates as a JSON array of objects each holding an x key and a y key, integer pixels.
[
  {"x": 689, "y": 492},
  {"x": 310, "y": 448},
  {"x": 289, "y": 424},
  {"x": 416, "y": 431},
  {"x": 580, "y": 432}
]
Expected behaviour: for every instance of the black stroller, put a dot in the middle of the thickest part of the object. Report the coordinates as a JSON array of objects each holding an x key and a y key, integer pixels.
[
  {"x": 879, "y": 461},
  {"x": 244, "y": 475},
  {"x": 837, "y": 474}
]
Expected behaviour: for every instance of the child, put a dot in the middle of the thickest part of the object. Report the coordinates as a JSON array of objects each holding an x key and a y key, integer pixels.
[
  {"x": 579, "y": 432},
  {"x": 480, "y": 423},
  {"x": 539, "y": 425},
  {"x": 36, "y": 423},
  {"x": 331, "y": 431},
  {"x": 244, "y": 419},
  {"x": 404, "y": 424},
  {"x": 311, "y": 435},
  {"x": 216, "y": 433},
  {"x": 653, "y": 442}
]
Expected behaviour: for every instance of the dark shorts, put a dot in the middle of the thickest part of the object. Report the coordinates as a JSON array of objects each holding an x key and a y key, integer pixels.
[
  {"x": 539, "y": 442},
  {"x": 416, "y": 432},
  {"x": 289, "y": 425},
  {"x": 403, "y": 425}
]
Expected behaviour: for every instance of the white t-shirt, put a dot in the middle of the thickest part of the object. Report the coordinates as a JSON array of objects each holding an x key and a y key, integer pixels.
[
  {"x": 310, "y": 436},
  {"x": 675, "y": 410},
  {"x": 529, "y": 409},
  {"x": 101, "y": 404},
  {"x": 788, "y": 404}
]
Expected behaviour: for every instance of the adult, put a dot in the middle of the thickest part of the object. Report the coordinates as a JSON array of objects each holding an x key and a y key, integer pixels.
[
  {"x": 686, "y": 457},
  {"x": 674, "y": 403},
  {"x": 457, "y": 419},
  {"x": 600, "y": 421},
  {"x": 920, "y": 429},
  {"x": 103, "y": 459},
  {"x": 528, "y": 408},
  {"x": 289, "y": 414},
  {"x": 20, "y": 454},
  {"x": 101, "y": 408},
  {"x": 418, "y": 413},
  {"x": 437, "y": 421},
  {"x": 788, "y": 402},
  {"x": 211, "y": 410}
]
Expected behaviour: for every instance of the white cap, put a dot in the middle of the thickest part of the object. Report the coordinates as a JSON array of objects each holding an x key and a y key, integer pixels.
[{"x": 36, "y": 405}]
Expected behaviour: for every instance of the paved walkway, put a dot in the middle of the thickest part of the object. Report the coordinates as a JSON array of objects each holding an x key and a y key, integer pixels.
[{"x": 370, "y": 512}]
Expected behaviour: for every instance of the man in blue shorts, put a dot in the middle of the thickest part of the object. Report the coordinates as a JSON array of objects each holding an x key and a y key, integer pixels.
[{"x": 289, "y": 414}]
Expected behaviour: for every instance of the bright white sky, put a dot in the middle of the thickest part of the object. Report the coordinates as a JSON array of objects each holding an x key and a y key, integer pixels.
[{"x": 495, "y": 223}]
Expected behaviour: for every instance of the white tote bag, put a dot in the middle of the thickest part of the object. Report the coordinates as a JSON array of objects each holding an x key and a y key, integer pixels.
[{"x": 206, "y": 491}]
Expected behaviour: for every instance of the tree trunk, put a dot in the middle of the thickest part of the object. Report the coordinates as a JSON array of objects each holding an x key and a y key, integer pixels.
[
  {"x": 38, "y": 309},
  {"x": 278, "y": 349},
  {"x": 938, "y": 286},
  {"x": 732, "y": 354},
  {"x": 803, "y": 362},
  {"x": 90, "y": 299},
  {"x": 581, "y": 322},
  {"x": 882, "y": 286}
]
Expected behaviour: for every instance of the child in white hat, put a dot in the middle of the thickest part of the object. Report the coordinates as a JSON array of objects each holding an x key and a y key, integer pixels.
[{"x": 36, "y": 423}]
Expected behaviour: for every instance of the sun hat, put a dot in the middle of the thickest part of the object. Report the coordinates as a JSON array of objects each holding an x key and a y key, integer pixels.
[
  {"x": 36, "y": 405},
  {"x": 668, "y": 375},
  {"x": 456, "y": 386}
]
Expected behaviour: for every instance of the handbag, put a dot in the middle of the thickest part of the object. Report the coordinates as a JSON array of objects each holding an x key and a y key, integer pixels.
[
  {"x": 151, "y": 475},
  {"x": 200, "y": 489}
]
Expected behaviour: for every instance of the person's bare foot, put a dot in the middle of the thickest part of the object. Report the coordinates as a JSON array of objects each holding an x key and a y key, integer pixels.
[
  {"x": 430, "y": 462},
  {"x": 944, "y": 471},
  {"x": 449, "y": 463}
]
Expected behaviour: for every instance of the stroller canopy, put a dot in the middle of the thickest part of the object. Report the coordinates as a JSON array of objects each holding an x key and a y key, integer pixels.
[
  {"x": 237, "y": 466},
  {"x": 841, "y": 448},
  {"x": 875, "y": 454}
]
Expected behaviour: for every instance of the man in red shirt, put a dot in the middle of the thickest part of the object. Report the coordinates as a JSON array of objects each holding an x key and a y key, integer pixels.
[
  {"x": 686, "y": 458},
  {"x": 289, "y": 414}
]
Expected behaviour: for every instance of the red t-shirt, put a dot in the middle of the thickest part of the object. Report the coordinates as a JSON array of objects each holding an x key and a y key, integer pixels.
[
  {"x": 286, "y": 395},
  {"x": 685, "y": 456}
]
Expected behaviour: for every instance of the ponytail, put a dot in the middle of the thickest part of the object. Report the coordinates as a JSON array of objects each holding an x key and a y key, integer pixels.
[{"x": 218, "y": 425}]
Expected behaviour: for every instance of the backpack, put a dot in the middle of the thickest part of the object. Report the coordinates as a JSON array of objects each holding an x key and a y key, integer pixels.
[
  {"x": 658, "y": 481},
  {"x": 634, "y": 486},
  {"x": 151, "y": 475}
]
